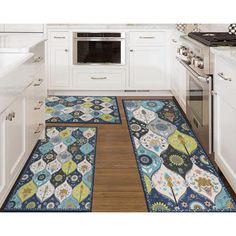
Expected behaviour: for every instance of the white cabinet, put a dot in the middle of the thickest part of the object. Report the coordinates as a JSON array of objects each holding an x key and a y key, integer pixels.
[
  {"x": 15, "y": 145},
  {"x": 178, "y": 75},
  {"x": 148, "y": 68},
  {"x": 225, "y": 117},
  {"x": 2, "y": 27},
  {"x": 101, "y": 78},
  {"x": 59, "y": 60},
  {"x": 148, "y": 61}
]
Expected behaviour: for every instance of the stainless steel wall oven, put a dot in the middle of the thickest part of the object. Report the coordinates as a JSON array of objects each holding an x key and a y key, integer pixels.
[{"x": 99, "y": 48}]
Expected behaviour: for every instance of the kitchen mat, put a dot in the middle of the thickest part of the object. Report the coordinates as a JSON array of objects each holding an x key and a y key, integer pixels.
[
  {"x": 175, "y": 172},
  {"x": 82, "y": 109},
  {"x": 59, "y": 174}
]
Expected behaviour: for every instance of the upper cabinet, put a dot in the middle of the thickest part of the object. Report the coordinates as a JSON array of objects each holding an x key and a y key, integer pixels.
[
  {"x": 148, "y": 60},
  {"x": 22, "y": 28},
  {"x": 224, "y": 117}
]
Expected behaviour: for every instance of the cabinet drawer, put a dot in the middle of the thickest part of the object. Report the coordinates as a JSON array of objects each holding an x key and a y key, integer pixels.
[
  {"x": 225, "y": 80},
  {"x": 148, "y": 38},
  {"x": 98, "y": 79},
  {"x": 59, "y": 38}
]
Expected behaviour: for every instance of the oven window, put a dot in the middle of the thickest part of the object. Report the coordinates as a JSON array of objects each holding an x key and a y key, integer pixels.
[
  {"x": 99, "y": 52},
  {"x": 196, "y": 99}
]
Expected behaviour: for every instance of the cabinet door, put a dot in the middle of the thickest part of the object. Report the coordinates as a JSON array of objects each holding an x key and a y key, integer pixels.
[
  {"x": 224, "y": 138},
  {"x": 15, "y": 138},
  {"x": 59, "y": 60},
  {"x": 148, "y": 68}
]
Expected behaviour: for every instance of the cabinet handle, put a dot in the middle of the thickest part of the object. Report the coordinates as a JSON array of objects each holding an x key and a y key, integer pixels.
[
  {"x": 40, "y": 82},
  {"x": 147, "y": 37},
  {"x": 37, "y": 59},
  {"x": 10, "y": 116},
  {"x": 131, "y": 50},
  {"x": 214, "y": 93},
  {"x": 174, "y": 41},
  {"x": 221, "y": 75},
  {"x": 66, "y": 50},
  {"x": 38, "y": 130},
  {"x": 59, "y": 37},
  {"x": 40, "y": 105},
  {"x": 98, "y": 78}
]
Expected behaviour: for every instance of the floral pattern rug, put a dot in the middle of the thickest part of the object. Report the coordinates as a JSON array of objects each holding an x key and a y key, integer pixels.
[
  {"x": 176, "y": 173},
  {"x": 81, "y": 109},
  {"x": 59, "y": 174}
]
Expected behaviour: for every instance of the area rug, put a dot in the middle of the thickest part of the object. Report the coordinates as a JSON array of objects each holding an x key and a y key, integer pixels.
[
  {"x": 59, "y": 173},
  {"x": 176, "y": 173},
  {"x": 80, "y": 109}
]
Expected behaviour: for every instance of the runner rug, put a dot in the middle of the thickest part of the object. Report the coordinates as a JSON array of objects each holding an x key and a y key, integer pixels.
[
  {"x": 59, "y": 173},
  {"x": 176, "y": 173},
  {"x": 80, "y": 109}
]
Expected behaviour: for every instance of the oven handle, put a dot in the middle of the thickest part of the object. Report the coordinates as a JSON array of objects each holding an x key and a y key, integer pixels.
[
  {"x": 201, "y": 78},
  {"x": 98, "y": 39}
]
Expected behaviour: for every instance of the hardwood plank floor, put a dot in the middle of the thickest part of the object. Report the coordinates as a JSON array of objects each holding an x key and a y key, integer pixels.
[{"x": 117, "y": 185}]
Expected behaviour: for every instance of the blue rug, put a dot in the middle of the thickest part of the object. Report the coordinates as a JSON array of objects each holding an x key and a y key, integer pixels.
[
  {"x": 59, "y": 174},
  {"x": 176, "y": 173},
  {"x": 80, "y": 109}
]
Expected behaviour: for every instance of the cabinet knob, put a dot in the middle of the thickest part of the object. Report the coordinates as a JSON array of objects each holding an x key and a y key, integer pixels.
[
  {"x": 66, "y": 50},
  {"x": 10, "y": 116},
  {"x": 131, "y": 50}
]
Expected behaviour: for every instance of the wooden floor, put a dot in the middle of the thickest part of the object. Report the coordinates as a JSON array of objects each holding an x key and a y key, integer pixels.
[{"x": 117, "y": 185}]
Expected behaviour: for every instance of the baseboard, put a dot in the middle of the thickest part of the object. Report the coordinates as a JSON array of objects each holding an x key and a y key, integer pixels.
[{"x": 111, "y": 93}]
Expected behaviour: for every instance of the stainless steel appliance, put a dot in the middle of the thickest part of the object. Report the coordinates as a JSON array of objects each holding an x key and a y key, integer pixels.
[
  {"x": 195, "y": 57},
  {"x": 99, "y": 48},
  {"x": 194, "y": 54}
]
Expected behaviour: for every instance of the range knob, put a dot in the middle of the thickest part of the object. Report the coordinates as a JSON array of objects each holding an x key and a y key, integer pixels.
[
  {"x": 198, "y": 62},
  {"x": 183, "y": 51}
]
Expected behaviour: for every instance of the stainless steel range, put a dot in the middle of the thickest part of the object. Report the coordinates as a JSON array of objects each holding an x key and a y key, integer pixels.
[
  {"x": 194, "y": 54},
  {"x": 195, "y": 57}
]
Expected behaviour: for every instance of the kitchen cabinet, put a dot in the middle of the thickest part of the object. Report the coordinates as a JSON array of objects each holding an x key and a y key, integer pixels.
[
  {"x": 59, "y": 60},
  {"x": 148, "y": 68},
  {"x": 148, "y": 61},
  {"x": 225, "y": 117},
  {"x": 178, "y": 74}
]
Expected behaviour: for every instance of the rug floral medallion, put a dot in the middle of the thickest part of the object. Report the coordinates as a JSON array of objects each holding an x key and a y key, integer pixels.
[
  {"x": 176, "y": 173},
  {"x": 59, "y": 174},
  {"x": 81, "y": 109}
]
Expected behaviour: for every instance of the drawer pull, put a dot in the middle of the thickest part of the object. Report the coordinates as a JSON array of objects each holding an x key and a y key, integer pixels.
[
  {"x": 59, "y": 37},
  {"x": 174, "y": 41},
  {"x": 147, "y": 37},
  {"x": 39, "y": 129},
  {"x": 40, "y": 105},
  {"x": 221, "y": 75},
  {"x": 99, "y": 78},
  {"x": 40, "y": 82},
  {"x": 37, "y": 59},
  {"x": 10, "y": 116}
]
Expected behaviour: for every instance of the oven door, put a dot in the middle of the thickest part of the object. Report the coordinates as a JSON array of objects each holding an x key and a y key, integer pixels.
[
  {"x": 199, "y": 105},
  {"x": 98, "y": 51}
]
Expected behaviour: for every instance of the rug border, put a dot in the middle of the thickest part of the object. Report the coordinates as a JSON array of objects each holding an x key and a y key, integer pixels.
[
  {"x": 87, "y": 123},
  {"x": 50, "y": 210},
  {"x": 139, "y": 169}
]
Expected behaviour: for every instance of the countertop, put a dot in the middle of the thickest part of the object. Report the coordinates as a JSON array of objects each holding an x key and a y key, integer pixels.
[
  {"x": 19, "y": 42},
  {"x": 113, "y": 26},
  {"x": 229, "y": 53},
  {"x": 11, "y": 86}
]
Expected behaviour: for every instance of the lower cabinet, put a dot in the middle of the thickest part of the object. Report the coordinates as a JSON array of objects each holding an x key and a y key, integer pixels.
[
  {"x": 148, "y": 68},
  {"x": 13, "y": 143},
  {"x": 225, "y": 117},
  {"x": 98, "y": 78}
]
